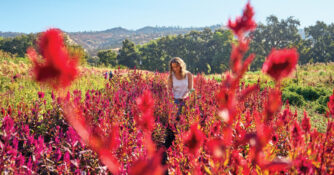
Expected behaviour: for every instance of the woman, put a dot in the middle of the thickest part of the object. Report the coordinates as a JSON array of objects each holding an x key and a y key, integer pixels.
[{"x": 180, "y": 81}]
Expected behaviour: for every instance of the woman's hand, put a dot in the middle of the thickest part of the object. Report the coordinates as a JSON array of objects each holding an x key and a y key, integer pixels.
[{"x": 188, "y": 93}]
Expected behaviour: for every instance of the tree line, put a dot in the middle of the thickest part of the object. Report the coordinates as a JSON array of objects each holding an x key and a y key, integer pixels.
[
  {"x": 17, "y": 46},
  {"x": 207, "y": 51}
]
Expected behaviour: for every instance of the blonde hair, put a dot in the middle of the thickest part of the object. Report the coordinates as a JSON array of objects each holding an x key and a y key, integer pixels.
[{"x": 181, "y": 63}]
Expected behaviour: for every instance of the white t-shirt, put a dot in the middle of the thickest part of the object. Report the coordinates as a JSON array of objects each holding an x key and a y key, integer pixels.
[{"x": 180, "y": 87}]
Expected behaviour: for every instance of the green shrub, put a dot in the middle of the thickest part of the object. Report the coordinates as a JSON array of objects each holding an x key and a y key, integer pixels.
[
  {"x": 308, "y": 92},
  {"x": 321, "y": 109},
  {"x": 293, "y": 97},
  {"x": 322, "y": 73},
  {"x": 323, "y": 100}
]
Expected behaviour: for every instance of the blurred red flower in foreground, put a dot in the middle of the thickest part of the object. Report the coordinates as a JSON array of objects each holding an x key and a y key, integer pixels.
[
  {"x": 102, "y": 145},
  {"x": 145, "y": 102},
  {"x": 149, "y": 166},
  {"x": 244, "y": 23},
  {"x": 57, "y": 68},
  {"x": 280, "y": 63},
  {"x": 194, "y": 139}
]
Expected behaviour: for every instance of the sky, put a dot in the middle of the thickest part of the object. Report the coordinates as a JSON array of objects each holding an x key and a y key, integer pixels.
[{"x": 30, "y": 16}]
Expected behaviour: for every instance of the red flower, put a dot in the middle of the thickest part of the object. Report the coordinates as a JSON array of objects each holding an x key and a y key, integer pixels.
[
  {"x": 277, "y": 165},
  {"x": 296, "y": 134},
  {"x": 94, "y": 137},
  {"x": 330, "y": 105},
  {"x": 226, "y": 102},
  {"x": 306, "y": 123},
  {"x": 303, "y": 165},
  {"x": 150, "y": 166},
  {"x": 194, "y": 140},
  {"x": 274, "y": 138},
  {"x": 273, "y": 104},
  {"x": 146, "y": 104},
  {"x": 244, "y": 23},
  {"x": 58, "y": 68},
  {"x": 216, "y": 148},
  {"x": 40, "y": 94},
  {"x": 280, "y": 63}
]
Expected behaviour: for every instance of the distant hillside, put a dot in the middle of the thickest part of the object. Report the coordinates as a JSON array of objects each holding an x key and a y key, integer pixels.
[
  {"x": 112, "y": 38},
  {"x": 9, "y": 34},
  {"x": 93, "y": 41}
]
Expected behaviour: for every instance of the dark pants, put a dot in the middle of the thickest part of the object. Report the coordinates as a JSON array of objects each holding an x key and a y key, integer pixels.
[
  {"x": 180, "y": 104},
  {"x": 170, "y": 135},
  {"x": 169, "y": 138}
]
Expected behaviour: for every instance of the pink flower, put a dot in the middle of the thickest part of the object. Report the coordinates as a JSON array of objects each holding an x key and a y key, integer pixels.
[
  {"x": 280, "y": 63},
  {"x": 40, "y": 94},
  {"x": 57, "y": 68}
]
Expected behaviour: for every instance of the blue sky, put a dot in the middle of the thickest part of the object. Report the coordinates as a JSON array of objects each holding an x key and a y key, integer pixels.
[{"x": 96, "y": 15}]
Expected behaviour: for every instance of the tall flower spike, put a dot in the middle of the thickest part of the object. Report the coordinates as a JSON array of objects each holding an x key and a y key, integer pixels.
[
  {"x": 244, "y": 23},
  {"x": 306, "y": 125},
  {"x": 146, "y": 104},
  {"x": 57, "y": 68}
]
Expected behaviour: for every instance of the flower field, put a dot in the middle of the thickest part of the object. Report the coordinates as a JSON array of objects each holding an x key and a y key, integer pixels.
[{"x": 84, "y": 123}]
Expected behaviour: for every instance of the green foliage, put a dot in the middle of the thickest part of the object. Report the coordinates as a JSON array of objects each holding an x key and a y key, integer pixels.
[
  {"x": 24, "y": 89},
  {"x": 78, "y": 52},
  {"x": 316, "y": 98},
  {"x": 276, "y": 34},
  {"x": 209, "y": 51},
  {"x": 18, "y": 45},
  {"x": 321, "y": 109},
  {"x": 309, "y": 93},
  {"x": 293, "y": 98},
  {"x": 205, "y": 51},
  {"x": 323, "y": 100},
  {"x": 320, "y": 38},
  {"x": 107, "y": 57},
  {"x": 128, "y": 55}
]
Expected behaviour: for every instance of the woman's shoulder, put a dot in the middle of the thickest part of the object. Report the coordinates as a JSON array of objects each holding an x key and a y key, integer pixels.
[{"x": 189, "y": 74}]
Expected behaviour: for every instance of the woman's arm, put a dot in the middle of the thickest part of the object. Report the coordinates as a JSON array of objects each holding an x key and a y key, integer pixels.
[
  {"x": 190, "y": 81},
  {"x": 170, "y": 83},
  {"x": 190, "y": 84}
]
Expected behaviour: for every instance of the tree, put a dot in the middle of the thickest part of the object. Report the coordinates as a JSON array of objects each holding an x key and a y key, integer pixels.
[
  {"x": 107, "y": 57},
  {"x": 219, "y": 49},
  {"x": 79, "y": 52},
  {"x": 276, "y": 34},
  {"x": 321, "y": 41},
  {"x": 128, "y": 55},
  {"x": 18, "y": 45}
]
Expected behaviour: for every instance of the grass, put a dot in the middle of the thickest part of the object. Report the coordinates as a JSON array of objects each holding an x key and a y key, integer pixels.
[{"x": 17, "y": 85}]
